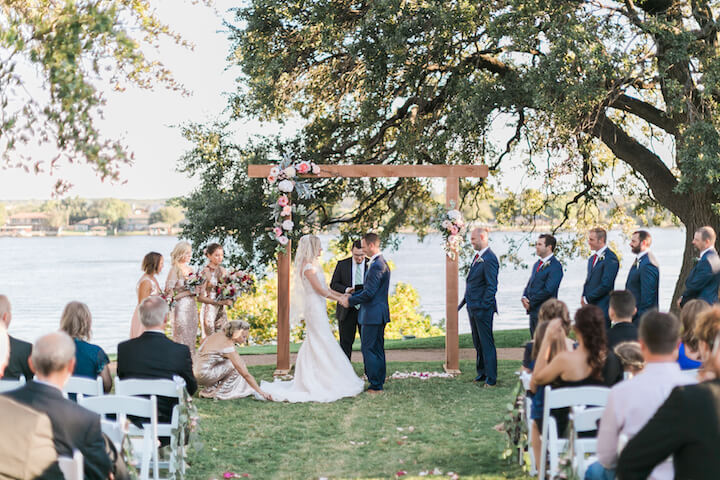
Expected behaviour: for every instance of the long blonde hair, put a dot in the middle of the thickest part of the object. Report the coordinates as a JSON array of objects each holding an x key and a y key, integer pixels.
[
  {"x": 307, "y": 251},
  {"x": 180, "y": 250}
]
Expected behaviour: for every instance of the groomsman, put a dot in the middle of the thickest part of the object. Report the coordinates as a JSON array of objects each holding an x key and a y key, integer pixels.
[
  {"x": 480, "y": 289},
  {"x": 544, "y": 280},
  {"x": 704, "y": 278},
  {"x": 349, "y": 273},
  {"x": 602, "y": 268},
  {"x": 644, "y": 276}
]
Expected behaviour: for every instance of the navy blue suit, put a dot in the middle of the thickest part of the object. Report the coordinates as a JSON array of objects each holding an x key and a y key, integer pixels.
[
  {"x": 480, "y": 289},
  {"x": 543, "y": 285},
  {"x": 600, "y": 281},
  {"x": 643, "y": 282},
  {"x": 374, "y": 314},
  {"x": 704, "y": 279}
]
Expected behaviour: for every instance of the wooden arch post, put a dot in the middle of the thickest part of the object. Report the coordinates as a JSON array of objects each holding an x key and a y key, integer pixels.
[{"x": 452, "y": 174}]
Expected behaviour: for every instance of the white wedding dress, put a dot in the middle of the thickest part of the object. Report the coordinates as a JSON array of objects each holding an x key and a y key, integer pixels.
[{"x": 322, "y": 371}]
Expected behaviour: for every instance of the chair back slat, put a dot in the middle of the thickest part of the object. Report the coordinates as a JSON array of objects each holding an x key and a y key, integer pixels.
[
  {"x": 88, "y": 387},
  {"x": 571, "y": 396},
  {"x": 586, "y": 420},
  {"x": 72, "y": 467},
  {"x": 10, "y": 385},
  {"x": 160, "y": 386}
]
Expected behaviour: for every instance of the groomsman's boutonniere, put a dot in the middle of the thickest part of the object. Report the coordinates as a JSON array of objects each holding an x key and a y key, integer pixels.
[
  {"x": 600, "y": 257},
  {"x": 544, "y": 265},
  {"x": 480, "y": 260},
  {"x": 696, "y": 260}
]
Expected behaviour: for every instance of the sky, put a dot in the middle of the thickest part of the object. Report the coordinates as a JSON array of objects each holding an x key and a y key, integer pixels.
[{"x": 147, "y": 120}]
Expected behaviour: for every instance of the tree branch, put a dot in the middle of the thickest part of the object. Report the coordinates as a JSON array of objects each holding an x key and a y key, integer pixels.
[{"x": 645, "y": 111}]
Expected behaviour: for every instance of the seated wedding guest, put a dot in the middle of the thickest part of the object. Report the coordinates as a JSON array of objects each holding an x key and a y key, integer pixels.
[
  {"x": 19, "y": 350},
  {"x": 74, "y": 427},
  {"x": 537, "y": 394},
  {"x": 219, "y": 368},
  {"x": 689, "y": 354},
  {"x": 633, "y": 402},
  {"x": 621, "y": 312},
  {"x": 90, "y": 360},
  {"x": 552, "y": 308},
  {"x": 686, "y": 426},
  {"x": 26, "y": 443},
  {"x": 153, "y": 355},
  {"x": 631, "y": 358},
  {"x": 574, "y": 368},
  {"x": 147, "y": 285},
  {"x": 707, "y": 327}
]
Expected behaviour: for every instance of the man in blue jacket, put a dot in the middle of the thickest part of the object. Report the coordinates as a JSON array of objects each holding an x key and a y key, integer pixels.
[
  {"x": 545, "y": 279},
  {"x": 602, "y": 269},
  {"x": 480, "y": 289},
  {"x": 704, "y": 278},
  {"x": 644, "y": 276}
]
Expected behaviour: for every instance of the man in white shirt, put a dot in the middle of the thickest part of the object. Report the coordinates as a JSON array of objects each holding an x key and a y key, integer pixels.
[{"x": 633, "y": 402}]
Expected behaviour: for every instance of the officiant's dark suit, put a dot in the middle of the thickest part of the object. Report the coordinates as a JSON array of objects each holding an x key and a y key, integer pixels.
[
  {"x": 153, "y": 355},
  {"x": 73, "y": 426},
  {"x": 348, "y": 274}
]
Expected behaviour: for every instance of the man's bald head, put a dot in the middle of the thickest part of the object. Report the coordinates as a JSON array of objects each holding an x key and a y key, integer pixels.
[
  {"x": 5, "y": 311},
  {"x": 52, "y": 353},
  {"x": 4, "y": 349},
  {"x": 479, "y": 238}
]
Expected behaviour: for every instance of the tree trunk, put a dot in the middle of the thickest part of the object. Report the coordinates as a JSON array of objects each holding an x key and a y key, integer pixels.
[{"x": 697, "y": 213}]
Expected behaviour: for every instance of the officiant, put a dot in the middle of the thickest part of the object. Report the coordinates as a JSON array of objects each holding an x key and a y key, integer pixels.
[{"x": 349, "y": 273}]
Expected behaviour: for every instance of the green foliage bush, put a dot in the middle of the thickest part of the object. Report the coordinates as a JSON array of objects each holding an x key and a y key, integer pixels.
[{"x": 259, "y": 309}]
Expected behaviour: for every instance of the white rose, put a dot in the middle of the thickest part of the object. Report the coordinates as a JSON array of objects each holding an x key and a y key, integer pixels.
[
  {"x": 287, "y": 225},
  {"x": 274, "y": 171},
  {"x": 286, "y": 186},
  {"x": 282, "y": 240},
  {"x": 315, "y": 169},
  {"x": 289, "y": 172},
  {"x": 446, "y": 224},
  {"x": 454, "y": 215}
]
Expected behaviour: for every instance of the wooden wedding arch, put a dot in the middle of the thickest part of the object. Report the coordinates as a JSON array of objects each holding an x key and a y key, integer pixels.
[{"x": 452, "y": 175}]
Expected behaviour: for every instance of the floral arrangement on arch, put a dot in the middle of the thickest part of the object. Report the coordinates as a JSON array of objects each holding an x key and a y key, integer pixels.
[
  {"x": 452, "y": 226},
  {"x": 284, "y": 179}
]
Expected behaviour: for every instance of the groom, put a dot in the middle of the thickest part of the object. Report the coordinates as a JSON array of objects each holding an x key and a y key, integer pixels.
[{"x": 374, "y": 312}]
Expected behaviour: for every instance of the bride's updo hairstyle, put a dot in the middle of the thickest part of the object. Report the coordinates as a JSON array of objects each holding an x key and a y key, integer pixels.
[{"x": 233, "y": 326}]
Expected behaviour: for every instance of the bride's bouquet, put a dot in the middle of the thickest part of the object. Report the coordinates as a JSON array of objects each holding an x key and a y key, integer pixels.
[
  {"x": 235, "y": 283},
  {"x": 193, "y": 281}
]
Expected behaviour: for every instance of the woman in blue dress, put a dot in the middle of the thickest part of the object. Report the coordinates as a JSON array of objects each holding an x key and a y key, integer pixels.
[{"x": 90, "y": 360}]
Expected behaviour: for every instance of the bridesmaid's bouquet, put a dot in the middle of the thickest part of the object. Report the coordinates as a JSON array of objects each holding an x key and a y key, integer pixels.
[
  {"x": 193, "y": 281},
  {"x": 235, "y": 283},
  {"x": 170, "y": 299}
]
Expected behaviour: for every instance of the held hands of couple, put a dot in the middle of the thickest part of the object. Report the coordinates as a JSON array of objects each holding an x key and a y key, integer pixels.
[{"x": 345, "y": 300}]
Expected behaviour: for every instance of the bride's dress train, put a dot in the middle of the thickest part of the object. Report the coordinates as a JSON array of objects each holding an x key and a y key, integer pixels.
[{"x": 322, "y": 371}]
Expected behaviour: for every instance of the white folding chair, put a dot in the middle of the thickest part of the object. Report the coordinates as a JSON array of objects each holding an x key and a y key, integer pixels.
[
  {"x": 114, "y": 430},
  {"x": 72, "y": 467},
  {"x": 84, "y": 386},
  {"x": 144, "y": 440},
  {"x": 584, "y": 420},
  {"x": 9, "y": 385},
  {"x": 525, "y": 378},
  {"x": 165, "y": 388},
  {"x": 552, "y": 444}
]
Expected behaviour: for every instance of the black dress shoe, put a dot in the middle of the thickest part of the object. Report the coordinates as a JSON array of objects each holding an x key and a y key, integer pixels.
[{"x": 480, "y": 378}]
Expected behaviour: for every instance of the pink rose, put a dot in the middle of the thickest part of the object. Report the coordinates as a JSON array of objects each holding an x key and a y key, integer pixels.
[
  {"x": 229, "y": 475},
  {"x": 283, "y": 240},
  {"x": 315, "y": 169},
  {"x": 271, "y": 179},
  {"x": 283, "y": 201},
  {"x": 286, "y": 211},
  {"x": 303, "y": 167},
  {"x": 454, "y": 230},
  {"x": 277, "y": 231}
]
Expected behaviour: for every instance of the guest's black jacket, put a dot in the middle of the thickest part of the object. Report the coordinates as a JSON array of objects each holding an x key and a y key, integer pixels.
[
  {"x": 686, "y": 426},
  {"x": 18, "y": 365},
  {"x": 74, "y": 427},
  {"x": 153, "y": 355}
]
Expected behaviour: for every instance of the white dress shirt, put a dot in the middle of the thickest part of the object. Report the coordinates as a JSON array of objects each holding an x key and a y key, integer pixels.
[
  {"x": 631, "y": 404},
  {"x": 372, "y": 259},
  {"x": 705, "y": 251}
]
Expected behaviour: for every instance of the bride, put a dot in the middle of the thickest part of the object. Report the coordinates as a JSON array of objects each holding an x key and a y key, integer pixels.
[{"x": 323, "y": 372}]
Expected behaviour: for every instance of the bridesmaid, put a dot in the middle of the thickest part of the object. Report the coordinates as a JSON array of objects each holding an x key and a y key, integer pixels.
[
  {"x": 185, "y": 321},
  {"x": 213, "y": 316},
  {"x": 148, "y": 285}
]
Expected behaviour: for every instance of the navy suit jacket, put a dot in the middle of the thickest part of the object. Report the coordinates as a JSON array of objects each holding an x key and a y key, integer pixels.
[
  {"x": 481, "y": 283},
  {"x": 543, "y": 284},
  {"x": 600, "y": 280},
  {"x": 643, "y": 282},
  {"x": 373, "y": 297},
  {"x": 74, "y": 427},
  {"x": 704, "y": 279}
]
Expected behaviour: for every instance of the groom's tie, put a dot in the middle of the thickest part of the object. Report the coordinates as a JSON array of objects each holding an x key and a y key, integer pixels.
[{"x": 358, "y": 280}]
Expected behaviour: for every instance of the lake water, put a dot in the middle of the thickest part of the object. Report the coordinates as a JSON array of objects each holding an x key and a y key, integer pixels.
[{"x": 42, "y": 274}]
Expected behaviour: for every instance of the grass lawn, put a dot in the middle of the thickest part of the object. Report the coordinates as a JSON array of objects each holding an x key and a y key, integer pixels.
[
  {"x": 503, "y": 339},
  {"x": 452, "y": 420}
]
